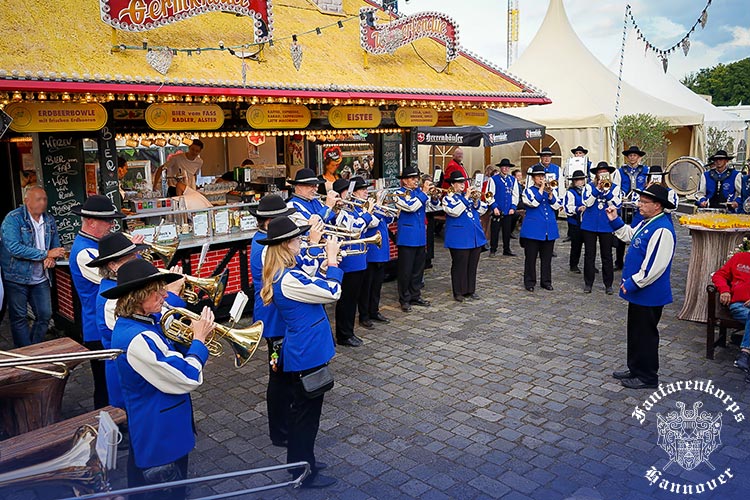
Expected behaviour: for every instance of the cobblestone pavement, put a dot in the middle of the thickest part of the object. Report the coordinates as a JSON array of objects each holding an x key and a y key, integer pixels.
[{"x": 510, "y": 397}]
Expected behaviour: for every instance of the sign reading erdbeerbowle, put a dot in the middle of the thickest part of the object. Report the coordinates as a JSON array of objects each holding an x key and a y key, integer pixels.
[{"x": 386, "y": 38}]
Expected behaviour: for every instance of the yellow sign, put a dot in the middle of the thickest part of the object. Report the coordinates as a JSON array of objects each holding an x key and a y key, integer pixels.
[
  {"x": 354, "y": 117},
  {"x": 163, "y": 116},
  {"x": 56, "y": 116},
  {"x": 270, "y": 116},
  {"x": 477, "y": 117},
  {"x": 416, "y": 117}
]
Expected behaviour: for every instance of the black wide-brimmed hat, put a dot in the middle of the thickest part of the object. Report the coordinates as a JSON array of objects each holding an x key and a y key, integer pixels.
[
  {"x": 112, "y": 247},
  {"x": 281, "y": 229},
  {"x": 580, "y": 149},
  {"x": 136, "y": 274},
  {"x": 603, "y": 165},
  {"x": 719, "y": 155},
  {"x": 504, "y": 163},
  {"x": 456, "y": 176},
  {"x": 271, "y": 206},
  {"x": 340, "y": 185},
  {"x": 578, "y": 174},
  {"x": 634, "y": 149},
  {"x": 656, "y": 170},
  {"x": 409, "y": 171},
  {"x": 546, "y": 152},
  {"x": 536, "y": 169},
  {"x": 359, "y": 183},
  {"x": 97, "y": 207},
  {"x": 658, "y": 193},
  {"x": 306, "y": 176}
]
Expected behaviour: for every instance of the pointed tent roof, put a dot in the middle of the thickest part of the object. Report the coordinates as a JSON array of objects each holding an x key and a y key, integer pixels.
[
  {"x": 582, "y": 89},
  {"x": 641, "y": 67}
]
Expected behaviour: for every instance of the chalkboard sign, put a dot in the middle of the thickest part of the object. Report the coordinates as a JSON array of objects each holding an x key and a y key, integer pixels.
[
  {"x": 108, "y": 182},
  {"x": 391, "y": 158},
  {"x": 63, "y": 172}
]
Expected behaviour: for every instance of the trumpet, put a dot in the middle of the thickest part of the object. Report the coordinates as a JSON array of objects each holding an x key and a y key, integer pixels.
[
  {"x": 176, "y": 323},
  {"x": 375, "y": 239},
  {"x": 341, "y": 232},
  {"x": 605, "y": 182},
  {"x": 485, "y": 197},
  {"x": 162, "y": 251},
  {"x": 436, "y": 192},
  {"x": 213, "y": 286}
]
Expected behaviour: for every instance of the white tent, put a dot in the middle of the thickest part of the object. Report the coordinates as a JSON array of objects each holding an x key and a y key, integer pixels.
[
  {"x": 641, "y": 67},
  {"x": 583, "y": 93}
]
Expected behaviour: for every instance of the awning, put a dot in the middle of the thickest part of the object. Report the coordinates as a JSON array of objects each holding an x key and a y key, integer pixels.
[{"x": 501, "y": 128}]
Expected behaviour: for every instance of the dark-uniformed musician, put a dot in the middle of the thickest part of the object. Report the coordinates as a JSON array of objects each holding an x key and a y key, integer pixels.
[
  {"x": 719, "y": 185},
  {"x": 506, "y": 191},
  {"x": 377, "y": 258},
  {"x": 574, "y": 207}
]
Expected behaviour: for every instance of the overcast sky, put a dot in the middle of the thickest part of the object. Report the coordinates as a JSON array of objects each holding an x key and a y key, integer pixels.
[{"x": 726, "y": 37}]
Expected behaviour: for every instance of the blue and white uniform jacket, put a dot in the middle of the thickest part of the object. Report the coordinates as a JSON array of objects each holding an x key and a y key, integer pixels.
[
  {"x": 540, "y": 222},
  {"x": 725, "y": 186},
  {"x": 379, "y": 224},
  {"x": 594, "y": 217},
  {"x": 572, "y": 202},
  {"x": 308, "y": 208},
  {"x": 156, "y": 380},
  {"x": 648, "y": 261},
  {"x": 357, "y": 221},
  {"x": 86, "y": 280},
  {"x": 412, "y": 223},
  {"x": 463, "y": 229},
  {"x": 506, "y": 192},
  {"x": 299, "y": 298},
  {"x": 551, "y": 171},
  {"x": 625, "y": 175}
]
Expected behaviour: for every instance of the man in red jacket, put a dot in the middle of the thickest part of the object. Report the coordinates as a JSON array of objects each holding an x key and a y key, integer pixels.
[
  {"x": 733, "y": 283},
  {"x": 456, "y": 164}
]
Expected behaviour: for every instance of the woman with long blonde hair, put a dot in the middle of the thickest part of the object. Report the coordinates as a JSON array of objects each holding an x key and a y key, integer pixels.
[{"x": 308, "y": 342}]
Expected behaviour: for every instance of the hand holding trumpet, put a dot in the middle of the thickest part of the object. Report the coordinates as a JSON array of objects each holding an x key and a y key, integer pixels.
[{"x": 333, "y": 246}]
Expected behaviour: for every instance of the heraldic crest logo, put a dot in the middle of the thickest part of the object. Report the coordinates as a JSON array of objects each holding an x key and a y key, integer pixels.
[{"x": 689, "y": 437}]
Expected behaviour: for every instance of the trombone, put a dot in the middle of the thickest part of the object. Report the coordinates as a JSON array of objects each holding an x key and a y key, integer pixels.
[
  {"x": 23, "y": 362},
  {"x": 375, "y": 239}
]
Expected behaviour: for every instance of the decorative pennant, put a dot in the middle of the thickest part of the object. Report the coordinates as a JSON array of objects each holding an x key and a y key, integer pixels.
[
  {"x": 296, "y": 51},
  {"x": 665, "y": 62},
  {"x": 686, "y": 46},
  {"x": 704, "y": 18},
  {"x": 160, "y": 60}
]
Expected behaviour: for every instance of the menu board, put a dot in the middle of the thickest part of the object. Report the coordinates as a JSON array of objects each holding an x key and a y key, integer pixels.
[
  {"x": 391, "y": 158},
  {"x": 63, "y": 172},
  {"x": 108, "y": 182}
]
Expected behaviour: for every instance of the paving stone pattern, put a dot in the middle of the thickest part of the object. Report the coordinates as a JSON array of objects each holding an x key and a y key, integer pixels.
[{"x": 510, "y": 396}]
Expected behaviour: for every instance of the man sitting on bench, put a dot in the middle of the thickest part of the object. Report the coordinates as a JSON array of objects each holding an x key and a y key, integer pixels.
[{"x": 733, "y": 283}]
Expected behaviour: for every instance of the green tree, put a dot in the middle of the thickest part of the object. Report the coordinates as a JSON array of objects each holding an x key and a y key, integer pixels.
[
  {"x": 645, "y": 130},
  {"x": 718, "y": 139},
  {"x": 727, "y": 84}
]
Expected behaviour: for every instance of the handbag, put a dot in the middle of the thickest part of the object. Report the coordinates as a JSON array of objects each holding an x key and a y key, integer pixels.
[{"x": 317, "y": 382}]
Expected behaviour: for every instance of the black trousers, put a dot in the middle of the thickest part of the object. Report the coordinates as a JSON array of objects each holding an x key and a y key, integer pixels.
[
  {"x": 464, "y": 265},
  {"x": 278, "y": 399},
  {"x": 101, "y": 397},
  {"x": 304, "y": 421},
  {"x": 619, "y": 252},
  {"x": 372, "y": 284},
  {"x": 576, "y": 244},
  {"x": 431, "y": 236},
  {"x": 346, "y": 307},
  {"x": 589, "y": 257},
  {"x": 410, "y": 272},
  {"x": 497, "y": 223},
  {"x": 135, "y": 479},
  {"x": 533, "y": 249},
  {"x": 643, "y": 342}
]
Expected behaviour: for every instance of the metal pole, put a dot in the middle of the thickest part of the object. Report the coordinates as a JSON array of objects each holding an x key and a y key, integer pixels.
[{"x": 613, "y": 141}]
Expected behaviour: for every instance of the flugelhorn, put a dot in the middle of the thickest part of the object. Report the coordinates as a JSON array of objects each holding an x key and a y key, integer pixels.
[
  {"x": 375, "y": 239},
  {"x": 213, "y": 286},
  {"x": 162, "y": 251},
  {"x": 176, "y": 323},
  {"x": 605, "y": 181}
]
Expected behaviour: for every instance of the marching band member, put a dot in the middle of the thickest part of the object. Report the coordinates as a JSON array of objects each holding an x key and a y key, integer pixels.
[
  {"x": 581, "y": 152},
  {"x": 308, "y": 344},
  {"x": 464, "y": 237},
  {"x": 539, "y": 229},
  {"x": 655, "y": 176},
  {"x": 629, "y": 177},
  {"x": 305, "y": 200},
  {"x": 354, "y": 219},
  {"x": 431, "y": 211},
  {"x": 719, "y": 185},
  {"x": 552, "y": 170},
  {"x": 156, "y": 376},
  {"x": 377, "y": 258},
  {"x": 278, "y": 399},
  {"x": 574, "y": 207},
  {"x": 595, "y": 225},
  {"x": 98, "y": 216},
  {"x": 504, "y": 188},
  {"x": 411, "y": 239}
]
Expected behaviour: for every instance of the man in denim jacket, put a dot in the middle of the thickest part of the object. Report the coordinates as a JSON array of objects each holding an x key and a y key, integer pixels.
[{"x": 30, "y": 245}]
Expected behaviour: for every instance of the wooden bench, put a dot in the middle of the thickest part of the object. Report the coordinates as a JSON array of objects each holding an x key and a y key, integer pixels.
[
  {"x": 49, "y": 442},
  {"x": 718, "y": 316}
]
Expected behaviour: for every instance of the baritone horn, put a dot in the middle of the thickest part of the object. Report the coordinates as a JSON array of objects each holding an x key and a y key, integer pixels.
[
  {"x": 162, "y": 251},
  {"x": 176, "y": 323},
  {"x": 214, "y": 287}
]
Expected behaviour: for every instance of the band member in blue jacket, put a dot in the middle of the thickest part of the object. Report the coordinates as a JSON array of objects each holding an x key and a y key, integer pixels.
[
  {"x": 305, "y": 198},
  {"x": 645, "y": 283},
  {"x": 377, "y": 258},
  {"x": 656, "y": 176},
  {"x": 539, "y": 228},
  {"x": 464, "y": 237},
  {"x": 574, "y": 208},
  {"x": 629, "y": 177},
  {"x": 504, "y": 188},
  {"x": 156, "y": 375},
  {"x": 411, "y": 239},
  {"x": 98, "y": 216},
  {"x": 308, "y": 344},
  {"x": 597, "y": 196},
  {"x": 719, "y": 185}
]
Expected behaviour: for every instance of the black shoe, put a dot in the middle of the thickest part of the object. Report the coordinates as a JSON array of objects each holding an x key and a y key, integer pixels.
[
  {"x": 428, "y": 266},
  {"x": 743, "y": 361},
  {"x": 420, "y": 302},
  {"x": 281, "y": 444},
  {"x": 320, "y": 465},
  {"x": 380, "y": 318},
  {"x": 530, "y": 288},
  {"x": 458, "y": 298},
  {"x": 635, "y": 383},
  {"x": 492, "y": 254},
  {"x": 406, "y": 308},
  {"x": 509, "y": 253},
  {"x": 609, "y": 290},
  {"x": 622, "y": 375},
  {"x": 548, "y": 287},
  {"x": 352, "y": 341},
  {"x": 576, "y": 270},
  {"x": 472, "y": 296},
  {"x": 367, "y": 324},
  {"x": 587, "y": 289},
  {"x": 319, "y": 481}
]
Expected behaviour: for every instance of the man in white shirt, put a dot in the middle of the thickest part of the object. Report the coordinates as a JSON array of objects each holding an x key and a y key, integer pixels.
[
  {"x": 193, "y": 199},
  {"x": 186, "y": 165}
]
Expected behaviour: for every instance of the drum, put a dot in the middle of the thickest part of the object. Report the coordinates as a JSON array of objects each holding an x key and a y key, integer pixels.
[
  {"x": 684, "y": 175},
  {"x": 628, "y": 210}
]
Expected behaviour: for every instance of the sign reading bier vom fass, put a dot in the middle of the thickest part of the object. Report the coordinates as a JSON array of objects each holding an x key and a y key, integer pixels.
[
  {"x": 56, "y": 116},
  {"x": 171, "y": 116},
  {"x": 354, "y": 116},
  {"x": 271, "y": 116}
]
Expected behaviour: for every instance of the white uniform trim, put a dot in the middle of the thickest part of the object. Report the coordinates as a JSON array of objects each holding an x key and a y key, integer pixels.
[
  {"x": 297, "y": 285},
  {"x": 90, "y": 273},
  {"x": 165, "y": 376}
]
